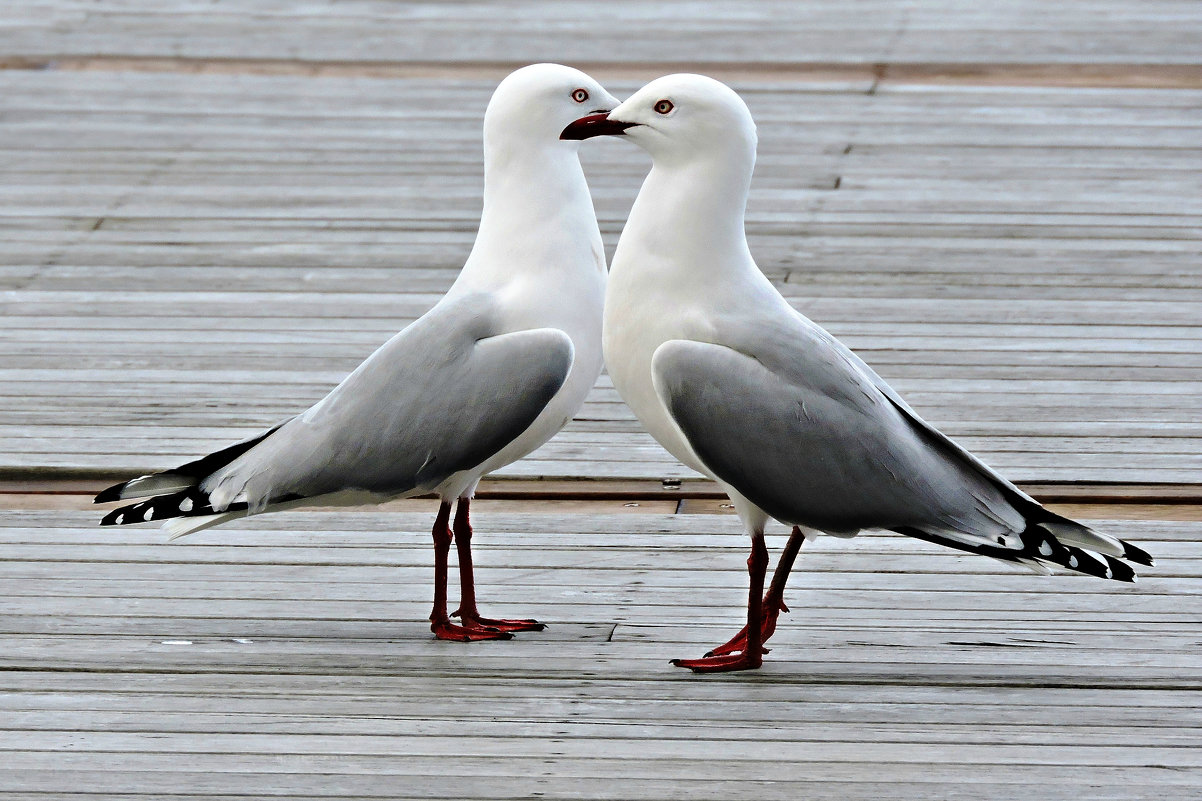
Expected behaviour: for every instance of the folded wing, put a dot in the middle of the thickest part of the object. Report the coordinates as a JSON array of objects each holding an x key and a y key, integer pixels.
[
  {"x": 442, "y": 396},
  {"x": 801, "y": 427}
]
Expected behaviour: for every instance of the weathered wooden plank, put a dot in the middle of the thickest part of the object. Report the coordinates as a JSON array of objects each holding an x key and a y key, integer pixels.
[
  {"x": 352, "y": 693},
  {"x": 905, "y": 720},
  {"x": 681, "y": 750},
  {"x": 633, "y": 603},
  {"x": 544, "y": 469},
  {"x": 1016, "y": 31},
  {"x": 958, "y": 666},
  {"x": 833, "y": 626},
  {"x": 597, "y": 530},
  {"x": 341, "y": 139},
  {"x": 568, "y": 779},
  {"x": 266, "y": 723},
  {"x": 395, "y": 567}
]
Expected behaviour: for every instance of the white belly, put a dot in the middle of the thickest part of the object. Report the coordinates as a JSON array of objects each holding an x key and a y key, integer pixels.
[{"x": 576, "y": 310}]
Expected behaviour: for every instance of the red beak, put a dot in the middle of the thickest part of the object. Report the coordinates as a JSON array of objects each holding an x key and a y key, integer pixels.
[{"x": 595, "y": 125}]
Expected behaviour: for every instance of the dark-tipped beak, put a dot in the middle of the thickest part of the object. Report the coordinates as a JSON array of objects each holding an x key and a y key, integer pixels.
[{"x": 595, "y": 125}]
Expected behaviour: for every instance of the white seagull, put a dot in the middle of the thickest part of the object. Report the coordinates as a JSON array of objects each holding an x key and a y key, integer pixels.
[
  {"x": 739, "y": 386},
  {"x": 493, "y": 371}
]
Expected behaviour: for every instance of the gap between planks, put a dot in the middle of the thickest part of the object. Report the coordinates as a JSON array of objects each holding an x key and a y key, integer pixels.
[
  {"x": 685, "y": 496},
  {"x": 1134, "y": 75}
]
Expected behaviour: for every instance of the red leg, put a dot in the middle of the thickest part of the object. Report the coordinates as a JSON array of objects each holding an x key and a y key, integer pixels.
[
  {"x": 751, "y": 656},
  {"x": 467, "y": 611},
  {"x": 440, "y": 622},
  {"x": 774, "y": 599}
]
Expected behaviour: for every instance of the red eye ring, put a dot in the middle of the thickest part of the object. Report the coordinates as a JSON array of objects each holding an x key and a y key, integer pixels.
[
  {"x": 663, "y": 107},
  {"x": 580, "y": 95}
]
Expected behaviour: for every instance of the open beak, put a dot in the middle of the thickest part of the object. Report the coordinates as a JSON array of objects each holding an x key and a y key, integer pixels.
[{"x": 595, "y": 125}]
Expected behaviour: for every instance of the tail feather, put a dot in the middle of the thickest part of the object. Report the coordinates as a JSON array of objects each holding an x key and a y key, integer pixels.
[
  {"x": 1136, "y": 554},
  {"x": 1120, "y": 570},
  {"x": 982, "y": 548},
  {"x": 1082, "y": 561},
  {"x": 183, "y": 526},
  {"x": 1056, "y": 544},
  {"x": 177, "y": 494},
  {"x": 1035, "y": 566},
  {"x": 191, "y": 502},
  {"x": 1070, "y": 532},
  {"x": 180, "y": 478},
  {"x": 1083, "y": 537},
  {"x": 145, "y": 486}
]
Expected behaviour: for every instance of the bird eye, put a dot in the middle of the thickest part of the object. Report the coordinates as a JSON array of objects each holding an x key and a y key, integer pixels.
[
  {"x": 663, "y": 107},
  {"x": 580, "y": 95}
]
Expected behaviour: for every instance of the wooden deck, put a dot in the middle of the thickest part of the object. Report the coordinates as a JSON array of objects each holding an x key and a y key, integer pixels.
[
  {"x": 192, "y": 258},
  {"x": 211, "y": 211},
  {"x": 288, "y": 656}
]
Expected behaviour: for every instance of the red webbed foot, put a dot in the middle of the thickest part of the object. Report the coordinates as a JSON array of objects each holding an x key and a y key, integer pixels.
[
  {"x": 721, "y": 664},
  {"x": 446, "y": 630},
  {"x": 474, "y": 621}
]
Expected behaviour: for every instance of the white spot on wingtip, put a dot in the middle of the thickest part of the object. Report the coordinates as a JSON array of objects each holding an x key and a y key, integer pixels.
[
  {"x": 119, "y": 519},
  {"x": 1045, "y": 548},
  {"x": 149, "y": 513},
  {"x": 1072, "y": 561},
  {"x": 185, "y": 505}
]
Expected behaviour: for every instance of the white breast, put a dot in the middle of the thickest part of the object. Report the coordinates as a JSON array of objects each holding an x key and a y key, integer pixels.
[{"x": 639, "y": 317}]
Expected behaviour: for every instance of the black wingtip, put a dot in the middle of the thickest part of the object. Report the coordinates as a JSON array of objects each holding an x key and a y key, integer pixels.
[
  {"x": 115, "y": 517},
  {"x": 160, "y": 508},
  {"x": 113, "y": 493},
  {"x": 1137, "y": 555},
  {"x": 1119, "y": 571},
  {"x": 1083, "y": 561},
  {"x": 186, "y": 503}
]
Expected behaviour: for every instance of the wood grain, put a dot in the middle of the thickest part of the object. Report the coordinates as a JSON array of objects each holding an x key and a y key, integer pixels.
[
  {"x": 290, "y": 653},
  {"x": 1019, "y": 262}
]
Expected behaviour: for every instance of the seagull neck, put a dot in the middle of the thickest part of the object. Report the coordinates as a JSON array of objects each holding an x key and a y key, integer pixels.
[
  {"x": 533, "y": 179},
  {"x": 534, "y": 203},
  {"x": 695, "y": 207}
]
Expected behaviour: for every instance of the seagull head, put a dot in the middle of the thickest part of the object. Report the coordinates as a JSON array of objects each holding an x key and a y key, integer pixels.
[
  {"x": 679, "y": 118},
  {"x": 534, "y": 103}
]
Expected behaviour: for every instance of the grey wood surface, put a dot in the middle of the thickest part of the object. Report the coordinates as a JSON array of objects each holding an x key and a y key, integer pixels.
[
  {"x": 999, "y": 205},
  {"x": 288, "y": 656},
  {"x": 698, "y": 31},
  {"x": 189, "y": 258}
]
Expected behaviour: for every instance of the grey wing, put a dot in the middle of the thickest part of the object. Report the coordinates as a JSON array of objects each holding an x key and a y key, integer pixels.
[
  {"x": 929, "y": 430},
  {"x": 442, "y": 396},
  {"x": 1069, "y": 531},
  {"x": 814, "y": 442}
]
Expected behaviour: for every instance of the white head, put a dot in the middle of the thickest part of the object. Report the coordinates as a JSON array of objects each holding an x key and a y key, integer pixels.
[
  {"x": 534, "y": 103},
  {"x": 680, "y": 118}
]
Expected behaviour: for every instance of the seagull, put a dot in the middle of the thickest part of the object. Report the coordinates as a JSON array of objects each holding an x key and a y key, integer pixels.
[
  {"x": 741, "y": 387},
  {"x": 500, "y": 364}
]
